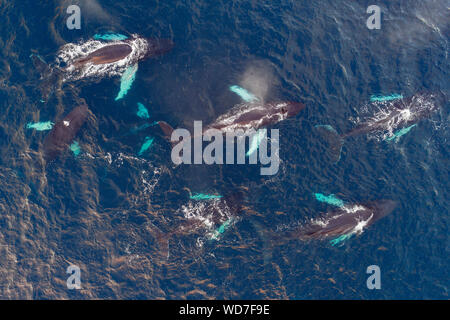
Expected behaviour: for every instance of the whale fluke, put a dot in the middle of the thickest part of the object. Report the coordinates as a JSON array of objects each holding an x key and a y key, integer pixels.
[
  {"x": 49, "y": 77},
  {"x": 333, "y": 140},
  {"x": 166, "y": 129}
]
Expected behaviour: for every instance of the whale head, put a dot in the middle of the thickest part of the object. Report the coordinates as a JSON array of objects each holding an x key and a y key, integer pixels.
[
  {"x": 423, "y": 104},
  {"x": 288, "y": 109},
  {"x": 159, "y": 46},
  {"x": 382, "y": 208}
]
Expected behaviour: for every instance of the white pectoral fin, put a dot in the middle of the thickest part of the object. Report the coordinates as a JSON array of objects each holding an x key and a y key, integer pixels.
[
  {"x": 243, "y": 93},
  {"x": 126, "y": 81},
  {"x": 256, "y": 141}
]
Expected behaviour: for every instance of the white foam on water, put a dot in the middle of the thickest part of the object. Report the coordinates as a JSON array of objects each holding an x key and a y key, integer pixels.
[
  {"x": 208, "y": 213},
  {"x": 150, "y": 179},
  {"x": 389, "y": 116},
  {"x": 320, "y": 222},
  {"x": 359, "y": 228},
  {"x": 348, "y": 209},
  {"x": 198, "y": 211},
  {"x": 353, "y": 208}
]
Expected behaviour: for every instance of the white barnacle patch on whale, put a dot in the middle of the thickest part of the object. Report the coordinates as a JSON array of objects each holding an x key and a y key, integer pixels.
[{"x": 66, "y": 123}]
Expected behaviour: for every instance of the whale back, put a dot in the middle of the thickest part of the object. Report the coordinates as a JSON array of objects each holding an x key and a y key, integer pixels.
[
  {"x": 63, "y": 132},
  {"x": 106, "y": 54},
  {"x": 255, "y": 115},
  {"x": 346, "y": 220},
  {"x": 337, "y": 224}
]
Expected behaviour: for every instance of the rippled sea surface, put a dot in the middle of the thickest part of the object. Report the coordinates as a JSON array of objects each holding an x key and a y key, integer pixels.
[{"x": 105, "y": 209}]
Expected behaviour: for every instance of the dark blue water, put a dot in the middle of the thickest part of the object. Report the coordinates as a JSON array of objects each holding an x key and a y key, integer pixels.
[{"x": 102, "y": 210}]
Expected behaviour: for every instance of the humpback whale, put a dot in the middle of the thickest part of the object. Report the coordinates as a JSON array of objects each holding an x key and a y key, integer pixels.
[
  {"x": 345, "y": 221},
  {"x": 238, "y": 124},
  {"x": 255, "y": 115},
  {"x": 119, "y": 51},
  {"x": 203, "y": 215},
  {"x": 97, "y": 59},
  {"x": 246, "y": 116},
  {"x": 63, "y": 132},
  {"x": 403, "y": 113},
  {"x": 337, "y": 225},
  {"x": 398, "y": 114}
]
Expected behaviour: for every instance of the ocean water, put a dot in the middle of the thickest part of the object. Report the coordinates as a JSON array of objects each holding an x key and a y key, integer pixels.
[{"x": 107, "y": 209}]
